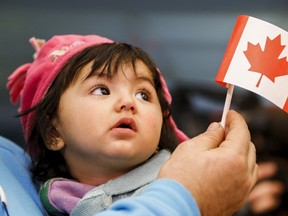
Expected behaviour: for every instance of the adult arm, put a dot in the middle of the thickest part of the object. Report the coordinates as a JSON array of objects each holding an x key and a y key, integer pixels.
[
  {"x": 164, "y": 197},
  {"x": 17, "y": 187}
]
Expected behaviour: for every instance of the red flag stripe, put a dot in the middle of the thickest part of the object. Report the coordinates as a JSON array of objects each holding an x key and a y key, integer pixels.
[
  {"x": 285, "y": 107},
  {"x": 231, "y": 48}
]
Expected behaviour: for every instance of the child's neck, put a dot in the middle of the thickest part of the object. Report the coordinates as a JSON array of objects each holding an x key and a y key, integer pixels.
[{"x": 97, "y": 178}]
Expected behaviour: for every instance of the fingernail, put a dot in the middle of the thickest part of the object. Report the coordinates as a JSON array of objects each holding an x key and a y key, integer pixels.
[{"x": 213, "y": 126}]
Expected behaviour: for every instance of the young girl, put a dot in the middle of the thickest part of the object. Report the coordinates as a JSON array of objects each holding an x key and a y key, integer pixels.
[{"x": 96, "y": 120}]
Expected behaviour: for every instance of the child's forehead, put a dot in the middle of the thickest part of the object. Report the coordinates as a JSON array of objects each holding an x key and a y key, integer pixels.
[{"x": 125, "y": 68}]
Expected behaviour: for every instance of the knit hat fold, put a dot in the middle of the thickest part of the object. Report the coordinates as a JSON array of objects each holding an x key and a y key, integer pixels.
[
  {"x": 16, "y": 82},
  {"x": 17, "y": 79}
]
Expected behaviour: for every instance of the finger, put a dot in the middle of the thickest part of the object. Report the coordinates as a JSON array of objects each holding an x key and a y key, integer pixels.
[
  {"x": 252, "y": 163},
  {"x": 254, "y": 177},
  {"x": 267, "y": 188},
  {"x": 237, "y": 133},
  {"x": 211, "y": 138},
  {"x": 265, "y": 204},
  {"x": 266, "y": 170}
]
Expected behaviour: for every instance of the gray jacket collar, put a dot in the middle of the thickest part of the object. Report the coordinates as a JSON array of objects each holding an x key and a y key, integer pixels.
[{"x": 130, "y": 184}]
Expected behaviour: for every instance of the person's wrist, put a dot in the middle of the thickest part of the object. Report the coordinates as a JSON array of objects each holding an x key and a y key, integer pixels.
[{"x": 180, "y": 193}]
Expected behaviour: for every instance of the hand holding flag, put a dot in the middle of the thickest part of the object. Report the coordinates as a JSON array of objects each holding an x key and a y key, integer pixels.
[{"x": 256, "y": 59}]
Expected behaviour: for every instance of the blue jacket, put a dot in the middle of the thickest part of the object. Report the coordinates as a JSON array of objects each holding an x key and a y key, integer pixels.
[
  {"x": 161, "y": 198},
  {"x": 15, "y": 180}
]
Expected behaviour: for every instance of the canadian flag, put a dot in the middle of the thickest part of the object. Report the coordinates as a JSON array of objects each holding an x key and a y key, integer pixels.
[{"x": 256, "y": 60}]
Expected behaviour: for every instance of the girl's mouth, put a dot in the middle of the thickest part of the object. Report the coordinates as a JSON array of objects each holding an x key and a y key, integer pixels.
[{"x": 126, "y": 123}]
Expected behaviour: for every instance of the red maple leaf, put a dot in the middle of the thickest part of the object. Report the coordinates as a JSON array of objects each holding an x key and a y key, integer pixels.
[{"x": 267, "y": 62}]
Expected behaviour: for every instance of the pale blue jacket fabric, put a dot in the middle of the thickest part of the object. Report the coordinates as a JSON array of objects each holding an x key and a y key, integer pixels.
[
  {"x": 21, "y": 194},
  {"x": 161, "y": 198}
]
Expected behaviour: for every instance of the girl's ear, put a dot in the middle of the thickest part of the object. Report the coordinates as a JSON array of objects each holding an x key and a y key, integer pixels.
[
  {"x": 56, "y": 145},
  {"x": 54, "y": 140}
]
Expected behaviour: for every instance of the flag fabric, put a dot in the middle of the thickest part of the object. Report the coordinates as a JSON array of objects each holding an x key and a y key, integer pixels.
[{"x": 256, "y": 60}]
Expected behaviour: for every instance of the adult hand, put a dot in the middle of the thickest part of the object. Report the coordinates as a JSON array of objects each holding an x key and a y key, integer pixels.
[
  {"x": 266, "y": 195},
  {"x": 218, "y": 167}
]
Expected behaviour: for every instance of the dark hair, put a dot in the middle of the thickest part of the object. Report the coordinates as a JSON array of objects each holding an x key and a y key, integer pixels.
[{"x": 107, "y": 57}]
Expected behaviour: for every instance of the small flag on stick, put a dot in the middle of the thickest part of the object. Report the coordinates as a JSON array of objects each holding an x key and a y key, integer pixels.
[{"x": 256, "y": 60}]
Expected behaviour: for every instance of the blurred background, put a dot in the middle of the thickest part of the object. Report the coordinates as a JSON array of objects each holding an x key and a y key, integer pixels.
[{"x": 186, "y": 38}]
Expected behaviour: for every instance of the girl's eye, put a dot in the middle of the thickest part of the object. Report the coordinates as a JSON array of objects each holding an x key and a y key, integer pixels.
[
  {"x": 143, "y": 95},
  {"x": 101, "y": 90}
]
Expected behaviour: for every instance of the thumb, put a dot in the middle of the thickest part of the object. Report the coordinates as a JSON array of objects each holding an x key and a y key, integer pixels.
[{"x": 210, "y": 139}]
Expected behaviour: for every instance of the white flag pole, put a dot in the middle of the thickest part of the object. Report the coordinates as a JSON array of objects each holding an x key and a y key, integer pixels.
[{"x": 227, "y": 103}]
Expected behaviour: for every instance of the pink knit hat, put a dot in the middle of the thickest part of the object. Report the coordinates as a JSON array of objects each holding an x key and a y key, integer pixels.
[{"x": 31, "y": 81}]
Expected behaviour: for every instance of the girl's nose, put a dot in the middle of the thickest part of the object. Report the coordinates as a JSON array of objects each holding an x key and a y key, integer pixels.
[
  {"x": 126, "y": 103},
  {"x": 127, "y": 107}
]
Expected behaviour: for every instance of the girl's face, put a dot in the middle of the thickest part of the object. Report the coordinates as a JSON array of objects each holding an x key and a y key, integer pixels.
[{"x": 107, "y": 126}]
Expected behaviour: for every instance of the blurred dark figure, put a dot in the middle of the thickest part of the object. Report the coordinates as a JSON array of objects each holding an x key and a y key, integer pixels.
[{"x": 195, "y": 106}]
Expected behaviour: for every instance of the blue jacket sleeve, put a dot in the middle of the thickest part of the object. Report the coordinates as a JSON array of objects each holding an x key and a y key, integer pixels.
[
  {"x": 15, "y": 180},
  {"x": 161, "y": 198}
]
